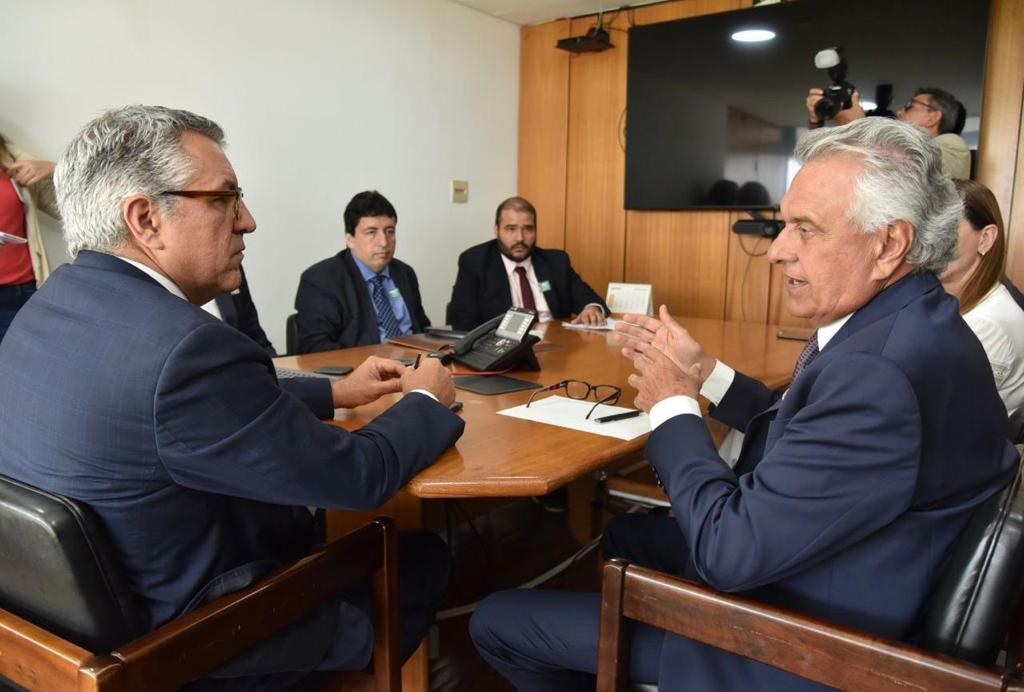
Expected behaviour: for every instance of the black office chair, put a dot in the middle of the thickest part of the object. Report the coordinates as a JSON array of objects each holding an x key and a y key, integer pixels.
[
  {"x": 975, "y": 611},
  {"x": 63, "y": 606},
  {"x": 291, "y": 334}
]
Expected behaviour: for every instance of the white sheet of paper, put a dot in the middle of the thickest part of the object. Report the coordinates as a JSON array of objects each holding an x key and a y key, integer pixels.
[
  {"x": 609, "y": 325},
  {"x": 569, "y": 413}
]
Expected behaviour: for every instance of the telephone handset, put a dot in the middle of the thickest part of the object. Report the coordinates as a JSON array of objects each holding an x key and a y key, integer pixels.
[{"x": 500, "y": 343}]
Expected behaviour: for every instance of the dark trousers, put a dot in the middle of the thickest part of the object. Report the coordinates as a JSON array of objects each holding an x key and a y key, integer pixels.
[
  {"x": 12, "y": 298},
  {"x": 424, "y": 566},
  {"x": 548, "y": 640}
]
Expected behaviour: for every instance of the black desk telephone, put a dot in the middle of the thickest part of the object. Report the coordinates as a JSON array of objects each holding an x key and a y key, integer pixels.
[{"x": 500, "y": 343}]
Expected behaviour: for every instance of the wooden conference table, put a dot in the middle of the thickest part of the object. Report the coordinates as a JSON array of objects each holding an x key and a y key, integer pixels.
[{"x": 500, "y": 456}]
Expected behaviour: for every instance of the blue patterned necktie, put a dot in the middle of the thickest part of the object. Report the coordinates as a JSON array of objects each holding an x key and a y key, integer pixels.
[
  {"x": 806, "y": 356},
  {"x": 381, "y": 304}
]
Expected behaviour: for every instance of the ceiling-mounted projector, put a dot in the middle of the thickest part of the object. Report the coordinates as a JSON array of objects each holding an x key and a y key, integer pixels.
[{"x": 596, "y": 39}]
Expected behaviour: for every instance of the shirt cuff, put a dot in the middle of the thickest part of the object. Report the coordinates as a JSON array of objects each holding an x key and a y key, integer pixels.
[
  {"x": 425, "y": 392},
  {"x": 718, "y": 383},
  {"x": 672, "y": 407}
]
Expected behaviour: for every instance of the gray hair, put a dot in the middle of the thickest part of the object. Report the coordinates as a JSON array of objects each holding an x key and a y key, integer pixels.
[
  {"x": 946, "y": 104},
  {"x": 902, "y": 179},
  {"x": 135, "y": 150}
]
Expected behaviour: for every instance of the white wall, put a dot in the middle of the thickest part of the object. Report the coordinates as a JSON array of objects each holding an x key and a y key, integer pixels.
[{"x": 319, "y": 99}]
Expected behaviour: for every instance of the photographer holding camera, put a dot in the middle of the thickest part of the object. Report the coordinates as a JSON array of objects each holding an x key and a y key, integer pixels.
[{"x": 934, "y": 110}]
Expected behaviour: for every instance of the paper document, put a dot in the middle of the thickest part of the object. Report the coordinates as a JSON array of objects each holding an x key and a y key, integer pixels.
[
  {"x": 609, "y": 325},
  {"x": 569, "y": 413}
]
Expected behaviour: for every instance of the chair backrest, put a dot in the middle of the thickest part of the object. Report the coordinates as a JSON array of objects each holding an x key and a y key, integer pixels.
[
  {"x": 57, "y": 571},
  {"x": 291, "y": 334},
  {"x": 971, "y": 607}
]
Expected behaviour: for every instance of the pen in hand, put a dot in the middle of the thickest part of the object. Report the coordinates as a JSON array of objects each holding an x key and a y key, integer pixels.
[
  {"x": 416, "y": 364},
  {"x": 618, "y": 416}
]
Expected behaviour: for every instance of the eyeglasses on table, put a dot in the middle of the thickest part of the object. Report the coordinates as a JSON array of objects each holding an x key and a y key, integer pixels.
[{"x": 580, "y": 390}]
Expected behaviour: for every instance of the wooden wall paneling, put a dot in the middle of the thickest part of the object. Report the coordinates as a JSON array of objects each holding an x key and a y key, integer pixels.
[
  {"x": 684, "y": 256},
  {"x": 1015, "y": 224},
  {"x": 594, "y": 215},
  {"x": 748, "y": 276},
  {"x": 544, "y": 127},
  {"x": 667, "y": 11},
  {"x": 1001, "y": 101},
  {"x": 1001, "y": 151}
]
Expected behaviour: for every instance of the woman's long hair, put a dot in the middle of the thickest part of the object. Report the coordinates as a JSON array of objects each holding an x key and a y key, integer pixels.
[{"x": 980, "y": 210}]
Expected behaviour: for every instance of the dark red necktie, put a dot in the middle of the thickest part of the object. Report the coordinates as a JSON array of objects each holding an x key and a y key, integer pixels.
[{"x": 525, "y": 290}]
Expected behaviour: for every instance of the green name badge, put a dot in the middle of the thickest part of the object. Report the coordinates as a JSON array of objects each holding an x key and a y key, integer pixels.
[
  {"x": 394, "y": 293},
  {"x": 545, "y": 286}
]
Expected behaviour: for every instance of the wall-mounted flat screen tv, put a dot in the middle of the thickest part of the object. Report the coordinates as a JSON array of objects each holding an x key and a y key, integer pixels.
[{"x": 711, "y": 122}]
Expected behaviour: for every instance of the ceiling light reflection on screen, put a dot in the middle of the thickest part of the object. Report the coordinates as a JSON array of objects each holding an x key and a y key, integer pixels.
[{"x": 753, "y": 35}]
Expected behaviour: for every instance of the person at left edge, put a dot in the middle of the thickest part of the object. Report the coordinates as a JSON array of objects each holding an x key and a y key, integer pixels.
[
  {"x": 118, "y": 391},
  {"x": 26, "y": 184},
  {"x": 363, "y": 294}
]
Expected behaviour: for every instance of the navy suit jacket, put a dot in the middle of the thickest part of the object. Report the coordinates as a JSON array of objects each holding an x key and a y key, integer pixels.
[
  {"x": 171, "y": 426},
  {"x": 482, "y": 291},
  {"x": 335, "y": 309},
  {"x": 850, "y": 489},
  {"x": 238, "y": 310}
]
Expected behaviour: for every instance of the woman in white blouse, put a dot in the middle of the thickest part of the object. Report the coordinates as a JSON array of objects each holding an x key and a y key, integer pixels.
[{"x": 977, "y": 278}]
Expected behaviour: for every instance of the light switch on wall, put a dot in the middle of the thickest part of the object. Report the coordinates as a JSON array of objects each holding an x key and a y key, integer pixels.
[{"x": 460, "y": 191}]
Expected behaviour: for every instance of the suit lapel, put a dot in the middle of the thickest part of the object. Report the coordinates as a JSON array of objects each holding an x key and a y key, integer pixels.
[
  {"x": 496, "y": 268},
  {"x": 363, "y": 305},
  {"x": 542, "y": 268},
  {"x": 894, "y": 298},
  {"x": 401, "y": 281},
  {"x": 228, "y": 311}
]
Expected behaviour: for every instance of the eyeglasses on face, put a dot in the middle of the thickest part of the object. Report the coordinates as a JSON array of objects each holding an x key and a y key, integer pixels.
[
  {"x": 909, "y": 105},
  {"x": 578, "y": 389},
  {"x": 235, "y": 192}
]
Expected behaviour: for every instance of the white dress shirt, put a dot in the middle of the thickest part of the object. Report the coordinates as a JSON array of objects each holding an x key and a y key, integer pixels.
[{"x": 543, "y": 311}]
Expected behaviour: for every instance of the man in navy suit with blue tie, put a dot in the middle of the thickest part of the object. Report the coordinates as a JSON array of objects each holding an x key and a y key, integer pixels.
[
  {"x": 853, "y": 484},
  {"x": 117, "y": 390},
  {"x": 362, "y": 295}
]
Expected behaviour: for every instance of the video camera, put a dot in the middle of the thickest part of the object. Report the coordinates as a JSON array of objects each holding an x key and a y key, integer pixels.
[{"x": 839, "y": 94}]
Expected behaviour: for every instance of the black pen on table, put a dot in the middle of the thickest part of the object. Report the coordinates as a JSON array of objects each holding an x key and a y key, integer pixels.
[{"x": 618, "y": 416}]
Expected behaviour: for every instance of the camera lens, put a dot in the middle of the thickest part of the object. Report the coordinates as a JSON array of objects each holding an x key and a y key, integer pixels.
[{"x": 826, "y": 108}]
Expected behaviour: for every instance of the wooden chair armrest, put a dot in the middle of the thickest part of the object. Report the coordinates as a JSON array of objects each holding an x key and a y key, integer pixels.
[
  {"x": 805, "y": 646},
  {"x": 198, "y": 642},
  {"x": 36, "y": 659}
]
